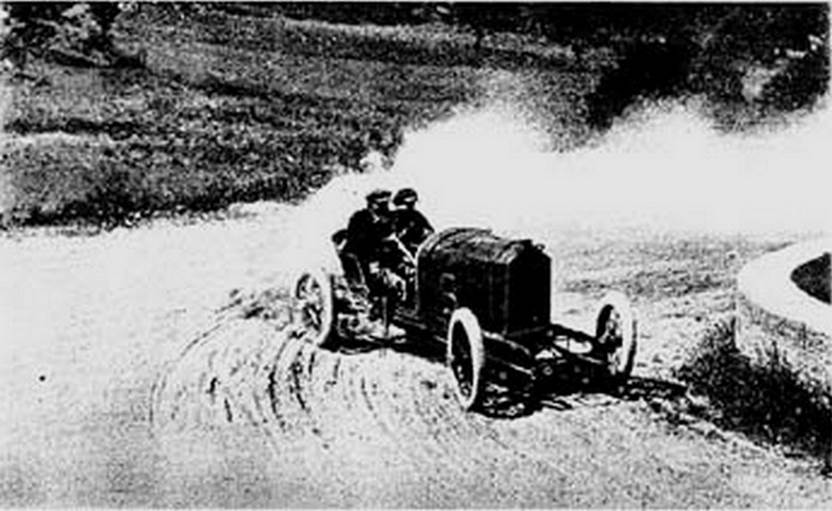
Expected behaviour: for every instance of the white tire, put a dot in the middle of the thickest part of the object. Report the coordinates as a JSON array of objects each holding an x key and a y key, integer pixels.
[
  {"x": 465, "y": 356},
  {"x": 616, "y": 335}
]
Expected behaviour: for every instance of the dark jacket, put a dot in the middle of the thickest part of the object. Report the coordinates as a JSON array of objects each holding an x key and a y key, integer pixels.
[
  {"x": 412, "y": 228},
  {"x": 364, "y": 234}
]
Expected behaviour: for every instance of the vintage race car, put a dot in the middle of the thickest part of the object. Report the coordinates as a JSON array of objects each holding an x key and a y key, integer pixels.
[{"x": 486, "y": 298}]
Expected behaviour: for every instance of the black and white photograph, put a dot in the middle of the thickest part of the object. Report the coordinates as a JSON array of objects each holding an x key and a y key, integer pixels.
[{"x": 415, "y": 255}]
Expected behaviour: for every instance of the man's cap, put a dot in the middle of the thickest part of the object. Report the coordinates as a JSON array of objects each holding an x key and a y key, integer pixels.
[
  {"x": 378, "y": 195},
  {"x": 406, "y": 196}
]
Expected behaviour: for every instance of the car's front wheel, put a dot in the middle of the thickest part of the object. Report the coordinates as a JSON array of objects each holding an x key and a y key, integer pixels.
[
  {"x": 466, "y": 357},
  {"x": 615, "y": 336}
]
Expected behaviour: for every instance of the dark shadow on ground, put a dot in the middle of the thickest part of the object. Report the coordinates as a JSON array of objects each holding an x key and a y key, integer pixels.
[
  {"x": 574, "y": 390},
  {"x": 569, "y": 387},
  {"x": 418, "y": 346}
]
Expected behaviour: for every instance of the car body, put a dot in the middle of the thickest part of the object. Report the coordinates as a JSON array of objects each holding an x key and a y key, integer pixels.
[{"x": 487, "y": 298}]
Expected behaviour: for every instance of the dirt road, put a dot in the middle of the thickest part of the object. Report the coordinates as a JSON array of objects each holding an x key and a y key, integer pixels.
[{"x": 135, "y": 374}]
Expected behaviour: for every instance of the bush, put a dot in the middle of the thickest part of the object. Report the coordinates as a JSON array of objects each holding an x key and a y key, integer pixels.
[
  {"x": 801, "y": 84},
  {"x": 73, "y": 33},
  {"x": 767, "y": 403},
  {"x": 647, "y": 70}
]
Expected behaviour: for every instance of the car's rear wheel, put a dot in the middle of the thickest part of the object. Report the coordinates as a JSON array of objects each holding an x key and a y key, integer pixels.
[
  {"x": 466, "y": 357},
  {"x": 615, "y": 336},
  {"x": 314, "y": 305}
]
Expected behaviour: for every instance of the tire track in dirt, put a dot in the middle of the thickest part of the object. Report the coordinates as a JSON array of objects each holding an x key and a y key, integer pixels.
[
  {"x": 342, "y": 400},
  {"x": 362, "y": 416},
  {"x": 227, "y": 376},
  {"x": 392, "y": 396},
  {"x": 88, "y": 319},
  {"x": 367, "y": 410}
]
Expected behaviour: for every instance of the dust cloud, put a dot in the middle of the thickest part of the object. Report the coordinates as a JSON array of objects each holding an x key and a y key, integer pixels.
[{"x": 662, "y": 168}]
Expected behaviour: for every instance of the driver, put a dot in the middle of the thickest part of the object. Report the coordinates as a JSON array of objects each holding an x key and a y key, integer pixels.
[
  {"x": 367, "y": 229},
  {"x": 411, "y": 226}
]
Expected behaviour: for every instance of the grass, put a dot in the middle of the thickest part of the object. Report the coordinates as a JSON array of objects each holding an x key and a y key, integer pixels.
[
  {"x": 769, "y": 403},
  {"x": 212, "y": 119},
  {"x": 147, "y": 144}
]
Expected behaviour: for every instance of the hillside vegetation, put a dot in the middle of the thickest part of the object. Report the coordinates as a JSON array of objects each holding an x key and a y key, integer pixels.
[{"x": 189, "y": 107}]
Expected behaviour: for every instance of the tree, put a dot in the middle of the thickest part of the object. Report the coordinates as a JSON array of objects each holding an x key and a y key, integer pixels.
[{"x": 77, "y": 33}]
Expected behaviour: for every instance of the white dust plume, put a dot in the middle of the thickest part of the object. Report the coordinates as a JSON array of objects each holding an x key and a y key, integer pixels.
[
  {"x": 664, "y": 168},
  {"x": 667, "y": 169}
]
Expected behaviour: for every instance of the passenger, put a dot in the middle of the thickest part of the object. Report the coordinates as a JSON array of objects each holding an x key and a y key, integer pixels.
[
  {"x": 411, "y": 226},
  {"x": 367, "y": 229}
]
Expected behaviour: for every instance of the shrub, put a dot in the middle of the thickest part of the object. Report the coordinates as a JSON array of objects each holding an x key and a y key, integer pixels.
[{"x": 768, "y": 403}]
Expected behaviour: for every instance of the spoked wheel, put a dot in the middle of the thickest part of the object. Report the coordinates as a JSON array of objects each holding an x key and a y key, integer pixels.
[
  {"x": 466, "y": 356},
  {"x": 314, "y": 304},
  {"x": 615, "y": 336}
]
